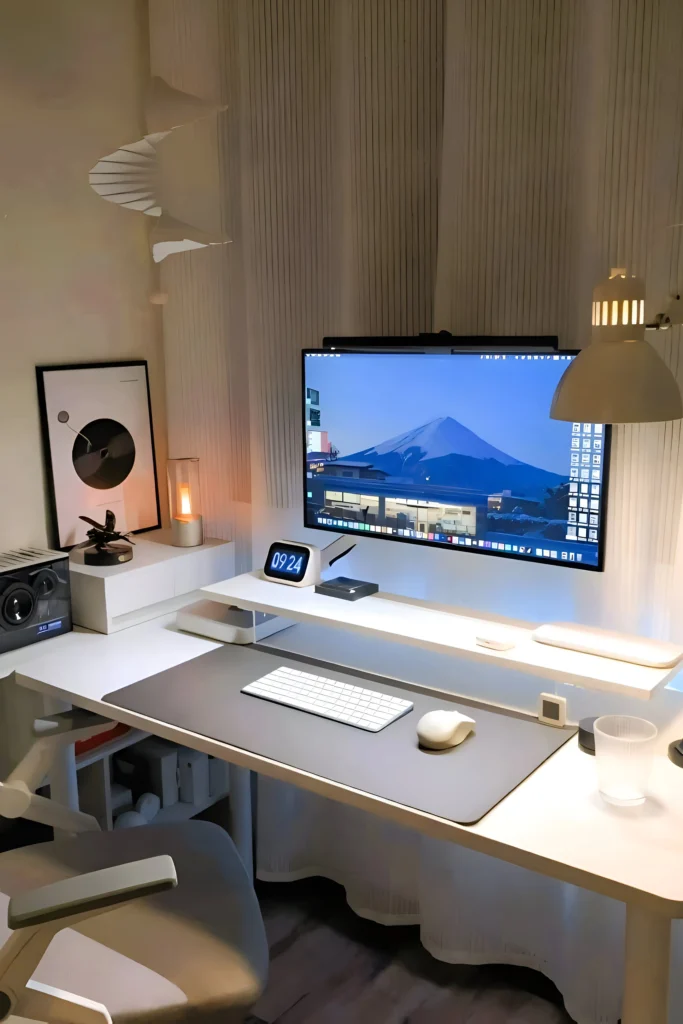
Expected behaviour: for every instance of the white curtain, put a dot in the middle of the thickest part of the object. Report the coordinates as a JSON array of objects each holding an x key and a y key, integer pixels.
[
  {"x": 386, "y": 167},
  {"x": 470, "y": 908}
]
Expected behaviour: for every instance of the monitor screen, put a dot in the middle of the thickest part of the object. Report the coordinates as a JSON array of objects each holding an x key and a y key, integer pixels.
[{"x": 453, "y": 450}]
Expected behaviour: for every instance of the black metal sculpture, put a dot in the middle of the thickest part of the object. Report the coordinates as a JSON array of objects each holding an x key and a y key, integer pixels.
[{"x": 106, "y": 545}]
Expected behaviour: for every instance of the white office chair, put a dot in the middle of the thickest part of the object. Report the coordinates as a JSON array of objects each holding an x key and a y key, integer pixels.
[{"x": 152, "y": 924}]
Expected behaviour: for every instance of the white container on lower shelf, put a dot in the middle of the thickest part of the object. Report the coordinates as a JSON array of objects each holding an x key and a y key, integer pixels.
[
  {"x": 159, "y": 579},
  {"x": 183, "y": 812},
  {"x": 205, "y": 778},
  {"x": 193, "y": 776}
]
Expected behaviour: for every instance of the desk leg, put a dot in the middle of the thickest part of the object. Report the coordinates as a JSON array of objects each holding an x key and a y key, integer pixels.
[
  {"x": 241, "y": 827},
  {"x": 63, "y": 777},
  {"x": 646, "y": 981},
  {"x": 64, "y": 782}
]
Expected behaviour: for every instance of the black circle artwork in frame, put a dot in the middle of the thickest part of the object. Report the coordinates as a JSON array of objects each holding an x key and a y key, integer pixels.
[{"x": 103, "y": 454}]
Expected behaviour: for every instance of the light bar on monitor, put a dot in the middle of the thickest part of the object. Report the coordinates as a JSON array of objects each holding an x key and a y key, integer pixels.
[{"x": 445, "y": 343}]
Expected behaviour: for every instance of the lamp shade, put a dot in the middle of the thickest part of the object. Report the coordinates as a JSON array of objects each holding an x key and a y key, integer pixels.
[
  {"x": 619, "y": 378},
  {"x": 619, "y": 308},
  {"x": 617, "y": 382}
]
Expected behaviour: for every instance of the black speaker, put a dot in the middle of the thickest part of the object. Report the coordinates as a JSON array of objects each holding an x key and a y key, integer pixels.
[{"x": 35, "y": 597}]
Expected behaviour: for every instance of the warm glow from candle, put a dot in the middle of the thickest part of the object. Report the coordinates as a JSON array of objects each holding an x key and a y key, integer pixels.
[{"x": 185, "y": 503}]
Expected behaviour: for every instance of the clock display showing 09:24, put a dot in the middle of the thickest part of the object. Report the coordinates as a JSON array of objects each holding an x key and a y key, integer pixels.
[
  {"x": 290, "y": 563},
  {"x": 286, "y": 561}
]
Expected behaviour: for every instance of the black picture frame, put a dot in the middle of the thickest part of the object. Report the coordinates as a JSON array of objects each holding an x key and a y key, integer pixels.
[{"x": 41, "y": 371}]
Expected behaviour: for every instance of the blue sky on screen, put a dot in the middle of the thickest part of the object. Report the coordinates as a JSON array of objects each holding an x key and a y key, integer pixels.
[{"x": 367, "y": 399}]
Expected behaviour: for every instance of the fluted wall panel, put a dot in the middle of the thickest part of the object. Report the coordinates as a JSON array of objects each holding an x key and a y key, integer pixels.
[
  {"x": 390, "y": 84},
  {"x": 205, "y": 340},
  {"x": 342, "y": 114},
  {"x": 639, "y": 193},
  {"x": 386, "y": 166},
  {"x": 563, "y": 130},
  {"x": 510, "y": 191},
  {"x": 205, "y": 381},
  {"x": 324, "y": 172},
  {"x": 287, "y": 116},
  {"x": 622, "y": 169}
]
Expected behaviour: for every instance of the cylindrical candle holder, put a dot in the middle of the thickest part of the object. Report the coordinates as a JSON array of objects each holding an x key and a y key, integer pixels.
[{"x": 185, "y": 501}]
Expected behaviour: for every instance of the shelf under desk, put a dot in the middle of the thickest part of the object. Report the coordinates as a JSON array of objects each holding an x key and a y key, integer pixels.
[{"x": 440, "y": 628}]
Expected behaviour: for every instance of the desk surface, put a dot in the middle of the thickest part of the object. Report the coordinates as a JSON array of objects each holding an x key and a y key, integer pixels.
[
  {"x": 554, "y": 823},
  {"x": 440, "y": 628}
]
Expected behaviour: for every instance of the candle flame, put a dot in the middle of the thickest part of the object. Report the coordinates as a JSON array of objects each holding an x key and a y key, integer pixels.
[{"x": 185, "y": 503}]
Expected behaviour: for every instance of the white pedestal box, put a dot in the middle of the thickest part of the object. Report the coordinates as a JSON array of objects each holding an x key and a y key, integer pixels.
[
  {"x": 159, "y": 579},
  {"x": 229, "y": 625}
]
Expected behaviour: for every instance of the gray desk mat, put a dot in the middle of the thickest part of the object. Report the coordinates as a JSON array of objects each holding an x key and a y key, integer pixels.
[{"x": 460, "y": 784}]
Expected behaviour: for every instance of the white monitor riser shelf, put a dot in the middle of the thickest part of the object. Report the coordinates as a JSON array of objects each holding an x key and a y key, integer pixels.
[{"x": 441, "y": 628}]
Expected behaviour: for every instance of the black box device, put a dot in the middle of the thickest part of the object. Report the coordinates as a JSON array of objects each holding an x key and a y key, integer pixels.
[{"x": 346, "y": 589}]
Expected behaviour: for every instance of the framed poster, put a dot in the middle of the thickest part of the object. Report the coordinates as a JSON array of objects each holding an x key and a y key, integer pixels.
[{"x": 98, "y": 442}]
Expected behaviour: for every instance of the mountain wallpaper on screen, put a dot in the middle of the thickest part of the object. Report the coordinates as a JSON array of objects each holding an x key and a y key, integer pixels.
[{"x": 445, "y": 453}]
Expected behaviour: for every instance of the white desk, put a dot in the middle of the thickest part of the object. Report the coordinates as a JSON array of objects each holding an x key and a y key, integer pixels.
[
  {"x": 440, "y": 628},
  {"x": 554, "y": 823}
]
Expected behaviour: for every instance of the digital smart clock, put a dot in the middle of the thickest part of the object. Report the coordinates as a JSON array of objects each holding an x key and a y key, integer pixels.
[
  {"x": 292, "y": 563},
  {"x": 297, "y": 564}
]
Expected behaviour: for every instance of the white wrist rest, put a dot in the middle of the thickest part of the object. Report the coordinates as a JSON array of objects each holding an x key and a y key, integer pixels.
[{"x": 637, "y": 650}]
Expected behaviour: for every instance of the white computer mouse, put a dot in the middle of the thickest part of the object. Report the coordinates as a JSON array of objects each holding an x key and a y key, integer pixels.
[{"x": 438, "y": 730}]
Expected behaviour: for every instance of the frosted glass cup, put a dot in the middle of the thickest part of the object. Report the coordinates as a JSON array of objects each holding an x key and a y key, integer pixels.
[{"x": 624, "y": 755}]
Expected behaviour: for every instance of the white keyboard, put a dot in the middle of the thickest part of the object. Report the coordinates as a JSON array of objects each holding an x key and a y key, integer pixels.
[{"x": 342, "y": 702}]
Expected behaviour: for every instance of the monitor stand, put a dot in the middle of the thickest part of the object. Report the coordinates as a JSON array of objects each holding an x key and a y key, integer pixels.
[
  {"x": 230, "y": 624},
  {"x": 336, "y": 550}
]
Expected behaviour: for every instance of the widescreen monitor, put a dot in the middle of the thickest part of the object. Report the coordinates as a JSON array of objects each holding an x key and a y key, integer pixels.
[{"x": 454, "y": 450}]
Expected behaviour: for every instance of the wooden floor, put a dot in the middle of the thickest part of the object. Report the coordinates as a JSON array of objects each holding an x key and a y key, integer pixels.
[{"x": 329, "y": 966}]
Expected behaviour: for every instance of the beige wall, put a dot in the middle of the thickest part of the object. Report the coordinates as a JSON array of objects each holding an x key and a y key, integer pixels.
[{"x": 75, "y": 271}]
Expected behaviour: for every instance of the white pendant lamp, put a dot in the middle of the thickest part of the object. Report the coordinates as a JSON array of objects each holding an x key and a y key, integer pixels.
[{"x": 618, "y": 378}]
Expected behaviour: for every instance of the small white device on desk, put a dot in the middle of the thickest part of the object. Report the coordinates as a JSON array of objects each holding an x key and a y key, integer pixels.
[
  {"x": 297, "y": 564},
  {"x": 636, "y": 650},
  {"x": 498, "y": 638}
]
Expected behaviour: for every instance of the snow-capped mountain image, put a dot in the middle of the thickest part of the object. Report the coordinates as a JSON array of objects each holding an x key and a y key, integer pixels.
[
  {"x": 444, "y": 452},
  {"x": 442, "y": 436}
]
